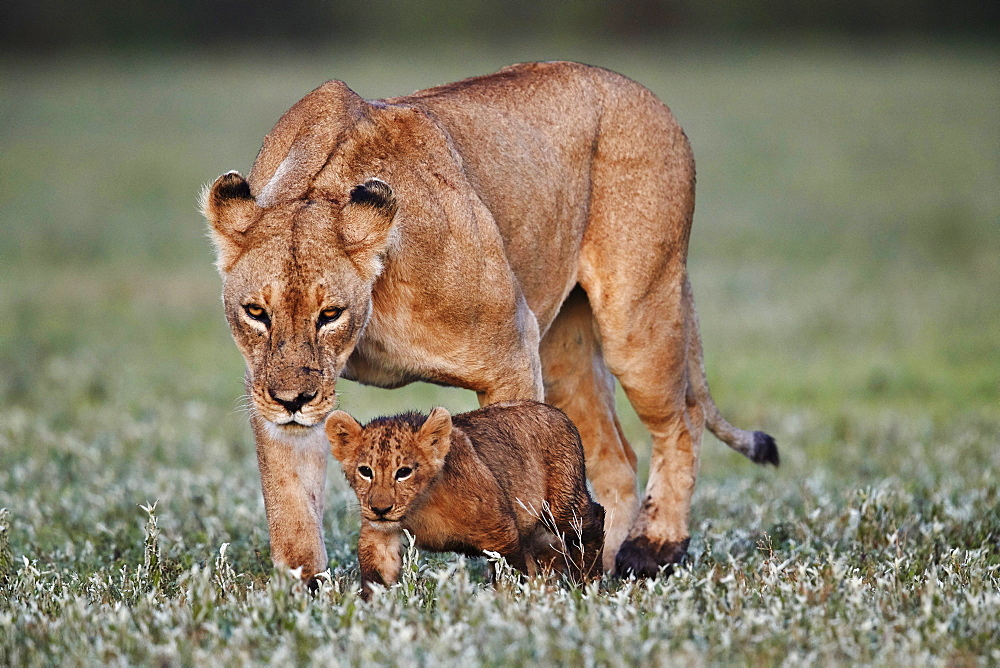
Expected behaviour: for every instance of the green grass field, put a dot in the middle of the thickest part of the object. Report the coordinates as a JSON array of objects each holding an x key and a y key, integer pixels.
[{"x": 846, "y": 264}]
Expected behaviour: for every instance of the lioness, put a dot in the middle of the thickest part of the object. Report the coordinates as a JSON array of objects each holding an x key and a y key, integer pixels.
[
  {"x": 497, "y": 479},
  {"x": 523, "y": 235}
]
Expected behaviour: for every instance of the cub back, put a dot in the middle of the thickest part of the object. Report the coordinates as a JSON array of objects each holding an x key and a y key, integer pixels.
[{"x": 531, "y": 448}]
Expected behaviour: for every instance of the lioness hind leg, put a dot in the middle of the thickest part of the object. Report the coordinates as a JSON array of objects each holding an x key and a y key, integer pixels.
[
  {"x": 578, "y": 382},
  {"x": 633, "y": 268},
  {"x": 649, "y": 353}
]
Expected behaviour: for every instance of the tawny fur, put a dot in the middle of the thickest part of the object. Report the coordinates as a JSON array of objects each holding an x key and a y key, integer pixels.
[
  {"x": 523, "y": 235},
  {"x": 499, "y": 479}
]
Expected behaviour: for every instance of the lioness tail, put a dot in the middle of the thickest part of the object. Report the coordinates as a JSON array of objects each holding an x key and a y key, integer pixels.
[{"x": 756, "y": 445}]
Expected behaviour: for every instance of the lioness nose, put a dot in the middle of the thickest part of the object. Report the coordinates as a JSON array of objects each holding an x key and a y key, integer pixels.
[
  {"x": 292, "y": 401},
  {"x": 381, "y": 511}
]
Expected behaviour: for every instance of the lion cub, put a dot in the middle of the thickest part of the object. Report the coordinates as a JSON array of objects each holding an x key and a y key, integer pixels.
[{"x": 498, "y": 479}]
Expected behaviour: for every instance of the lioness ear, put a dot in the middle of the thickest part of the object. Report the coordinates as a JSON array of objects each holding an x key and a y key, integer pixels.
[
  {"x": 344, "y": 433},
  {"x": 434, "y": 436},
  {"x": 366, "y": 224},
  {"x": 229, "y": 208}
]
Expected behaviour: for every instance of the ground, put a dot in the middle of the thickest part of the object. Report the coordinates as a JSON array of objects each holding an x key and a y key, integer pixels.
[{"x": 844, "y": 261}]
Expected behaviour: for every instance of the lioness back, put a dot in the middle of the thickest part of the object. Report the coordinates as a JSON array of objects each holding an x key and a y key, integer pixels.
[{"x": 528, "y": 136}]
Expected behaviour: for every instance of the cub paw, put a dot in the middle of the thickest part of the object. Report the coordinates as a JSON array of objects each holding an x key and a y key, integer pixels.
[{"x": 645, "y": 559}]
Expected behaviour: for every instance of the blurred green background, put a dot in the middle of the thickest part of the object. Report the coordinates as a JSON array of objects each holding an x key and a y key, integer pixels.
[
  {"x": 141, "y": 23},
  {"x": 845, "y": 255},
  {"x": 845, "y": 260}
]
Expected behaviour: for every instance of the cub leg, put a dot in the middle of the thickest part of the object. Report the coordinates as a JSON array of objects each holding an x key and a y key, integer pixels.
[
  {"x": 580, "y": 524},
  {"x": 503, "y": 538},
  {"x": 516, "y": 553},
  {"x": 293, "y": 479},
  {"x": 522, "y": 561},
  {"x": 379, "y": 557},
  {"x": 592, "y": 557},
  {"x": 578, "y": 382}
]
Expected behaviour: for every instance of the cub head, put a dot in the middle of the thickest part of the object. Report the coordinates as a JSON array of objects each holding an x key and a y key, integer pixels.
[
  {"x": 297, "y": 285},
  {"x": 390, "y": 462}
]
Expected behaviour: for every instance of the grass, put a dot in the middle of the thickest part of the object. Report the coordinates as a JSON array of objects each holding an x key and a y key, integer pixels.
[{"x": 844, "y": 260}]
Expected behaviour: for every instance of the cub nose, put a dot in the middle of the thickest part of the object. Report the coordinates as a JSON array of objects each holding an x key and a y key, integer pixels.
[
  {"x": 292, "y": 401},
  {"x": 381, "y": 512}
]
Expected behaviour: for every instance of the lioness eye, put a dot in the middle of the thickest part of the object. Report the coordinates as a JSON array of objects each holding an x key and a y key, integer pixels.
[
  {"x": 258, "y": 313},
  {"x": 328, "y": 315},
  {"x": 403, "y": 473},
  {"x": 365, "y": 472}
]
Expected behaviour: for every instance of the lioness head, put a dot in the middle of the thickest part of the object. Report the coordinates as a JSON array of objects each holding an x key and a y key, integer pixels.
[
  {"x": 390, "y": 462},
  {"x": 297, "y": 289}
]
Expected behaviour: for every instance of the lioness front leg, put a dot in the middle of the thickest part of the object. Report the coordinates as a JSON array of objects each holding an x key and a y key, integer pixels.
[
  {"x": 379, "y": 557},
  {"x": 511, "y": 368},
  {"x": 293, "y": 479}
]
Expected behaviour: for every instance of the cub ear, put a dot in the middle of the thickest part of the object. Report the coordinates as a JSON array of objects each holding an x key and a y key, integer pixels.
[
  {"x": 230, "y": 210},
  {"x": 434, "y": 436},
  {"x": 366, "y": 225},
  {"x": 344, "y": 433}
]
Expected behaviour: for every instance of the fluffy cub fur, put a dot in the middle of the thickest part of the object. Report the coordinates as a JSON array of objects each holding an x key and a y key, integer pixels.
[{"x": 500, "y": 479}]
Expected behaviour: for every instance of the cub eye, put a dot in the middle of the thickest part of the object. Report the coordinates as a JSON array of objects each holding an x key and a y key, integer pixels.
[
  {"x": 403, "y": 472},
  {"x": 365, "y": 472},
  {"x": 328, "y": 315},
  {"x": 258, "y": 313}
]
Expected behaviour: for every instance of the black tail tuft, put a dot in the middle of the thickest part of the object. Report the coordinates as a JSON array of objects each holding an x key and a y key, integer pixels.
[{"x": 765, "y": 450}]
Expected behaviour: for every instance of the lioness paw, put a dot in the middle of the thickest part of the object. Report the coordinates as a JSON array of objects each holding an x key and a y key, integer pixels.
[{"x": 643, "y": 558}]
